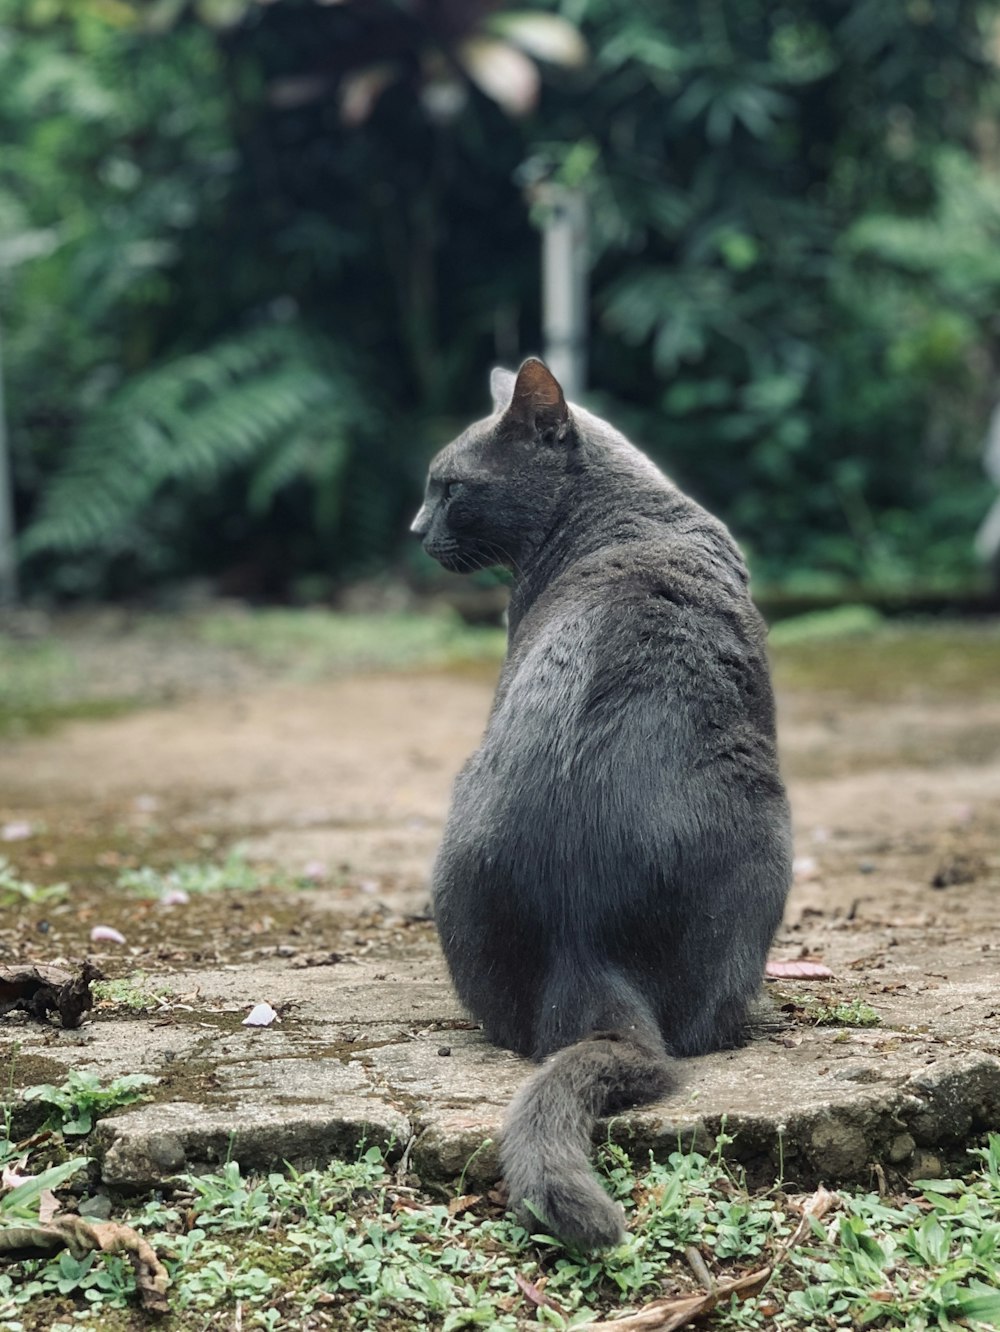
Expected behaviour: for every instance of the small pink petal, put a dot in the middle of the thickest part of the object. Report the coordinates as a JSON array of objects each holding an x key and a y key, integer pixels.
[
  {"x": 315, "y": 870},
  {"x": 261, "y": 1015},
  {"x": 16, "y": 832},
  {"x": 174, "y": 897},
  {"x": 105, "y": 934},
  {"x": 368, "y": 886},
  {"x": 798, "y": 970},
  {"x": 11, "y": 1177}
]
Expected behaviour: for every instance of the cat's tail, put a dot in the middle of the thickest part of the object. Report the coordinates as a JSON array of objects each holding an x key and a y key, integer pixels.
[{"x": 545, "y": 1151}]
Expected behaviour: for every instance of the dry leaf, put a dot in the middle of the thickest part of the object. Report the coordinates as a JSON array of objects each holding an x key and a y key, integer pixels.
[
  {"x": 679, "y": 1310},
  {"x": 533, "y": 1292},
  {"x": 459, "y": 1205},
  {"x": 44, "y": 989},
  {"x": 82, "y": 1237}
]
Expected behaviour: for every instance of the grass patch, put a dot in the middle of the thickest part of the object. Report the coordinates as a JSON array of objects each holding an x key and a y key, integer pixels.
[
  {"x": 234, "y": 874},
  {"x": 14, "y": 889},
  {"x": 78, "y": 1102},
  {"x": 882, "y": 662},
  {"x": 134, "y": 994},
  {"x": 854, "y": 1013},
  {"x": 40, "y": 688},
  {"x": 351, "y": 1246},
  {"x": 312, "y": 643}
]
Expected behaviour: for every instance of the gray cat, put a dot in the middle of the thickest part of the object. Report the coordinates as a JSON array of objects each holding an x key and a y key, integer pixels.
[{"x": 618, "y": 852}]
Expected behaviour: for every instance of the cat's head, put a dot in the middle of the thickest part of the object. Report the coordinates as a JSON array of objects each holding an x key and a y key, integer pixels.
[{"x": 492, "y": 492}]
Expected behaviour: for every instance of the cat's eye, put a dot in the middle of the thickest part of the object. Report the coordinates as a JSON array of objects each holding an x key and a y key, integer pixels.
[{"x": 450, "y": 489}]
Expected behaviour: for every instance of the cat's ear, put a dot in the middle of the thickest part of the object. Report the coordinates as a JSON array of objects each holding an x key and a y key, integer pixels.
[
  {"x": 538, "y": 401},
  {"x": 502, "y": 387}
]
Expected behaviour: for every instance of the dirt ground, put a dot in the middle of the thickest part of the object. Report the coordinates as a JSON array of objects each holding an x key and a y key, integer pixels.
[{"x": 344, "y": 784}]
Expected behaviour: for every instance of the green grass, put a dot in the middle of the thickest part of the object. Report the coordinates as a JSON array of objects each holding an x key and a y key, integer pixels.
[
  {"x": 350, "y": 1246},
  {"x": 76, "y": 1104},
  {"x": 66, "y": 676},
  {"x": 134, "y": 994},
  {"x": 234, "y": 874},
  {"x": 14, "y": 889},
  {"x": 40, "y": 687},
  {"x": 854, "y": 655},
  {"x": 314, "y": 643},
  {"x": 852, "y": 1013}
]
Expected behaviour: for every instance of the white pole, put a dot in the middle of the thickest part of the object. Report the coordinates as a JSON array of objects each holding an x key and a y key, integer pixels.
[
  {"x": 564, "y": 285},
  {"x": 8, "y": 556}
]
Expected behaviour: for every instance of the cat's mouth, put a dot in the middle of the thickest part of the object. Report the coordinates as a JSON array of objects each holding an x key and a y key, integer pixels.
[
  {"x": 456, "y": 559},
  {"x": 449, "y": 557}
]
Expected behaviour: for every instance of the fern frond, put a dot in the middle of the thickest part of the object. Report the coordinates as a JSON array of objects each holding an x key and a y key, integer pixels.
[{"x": 269, "y": 400}]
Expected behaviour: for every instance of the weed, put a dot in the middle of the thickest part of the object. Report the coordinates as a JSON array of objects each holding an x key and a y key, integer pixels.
[
  {"x": 235, "y": 874},
  {"x": 21, "y": 1203},
  {"x": 133, "y": 993},
  {"x": 312, "y": 644},
  {"x": 348, "y": 1245},
  {"x": 81, "y": 1099},
  {"x": 14, "y": 889},
  {"x": 852, "y": 1013}
]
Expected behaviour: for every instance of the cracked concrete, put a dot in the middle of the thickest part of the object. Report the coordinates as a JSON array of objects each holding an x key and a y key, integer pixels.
[{"x": 373, "y": 1048}]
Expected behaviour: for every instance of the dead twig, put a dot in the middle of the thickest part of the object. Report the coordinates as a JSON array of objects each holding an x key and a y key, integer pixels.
[
  {"x": 679, "y": 1310},
  {"x": 404, "y": 1161}
]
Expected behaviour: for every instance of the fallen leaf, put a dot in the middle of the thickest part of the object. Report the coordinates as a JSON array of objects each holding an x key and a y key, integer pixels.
[
  {"x": 261, "y": 1015},
  {"x": 535, "y": 1294},
  {"x": 45, "y": 989},
  {"x": 800, "y": 969},
  {"x": 106, "y": 934},
  {"x": 679, "y": 1310},
  {"x": 11, "y": 1177},
  {"x": 82, "y": 1237},
  {"x": 317, "y": 960},
  {"x": 459, "y": 1205}
]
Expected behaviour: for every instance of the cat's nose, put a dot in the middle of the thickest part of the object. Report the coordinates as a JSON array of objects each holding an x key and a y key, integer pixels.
[{"x": 422, "y": 523}]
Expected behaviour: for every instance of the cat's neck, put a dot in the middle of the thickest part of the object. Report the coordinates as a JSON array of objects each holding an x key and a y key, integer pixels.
[{"x": 615, "y": 496}]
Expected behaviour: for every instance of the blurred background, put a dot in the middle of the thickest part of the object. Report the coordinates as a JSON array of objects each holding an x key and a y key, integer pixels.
[{"x": 257, "y": 259}]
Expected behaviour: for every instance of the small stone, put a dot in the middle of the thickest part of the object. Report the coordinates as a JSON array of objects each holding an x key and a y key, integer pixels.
[
  {"x": 166, "y": 1151},
  {"x": 901, "y": 1147},
  {"x": 444, "y": 1049},
  {"x": 925, "y": 1165},
  {"x": 98, "y": 1208},
  {"x": 867, "y": 867}
]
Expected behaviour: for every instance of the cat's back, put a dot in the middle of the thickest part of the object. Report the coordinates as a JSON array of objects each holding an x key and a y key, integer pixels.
[{"x": 644, "y": 661}]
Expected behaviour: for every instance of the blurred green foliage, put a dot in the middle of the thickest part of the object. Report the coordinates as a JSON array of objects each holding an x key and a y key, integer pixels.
[{"x": 256, "y": 260}]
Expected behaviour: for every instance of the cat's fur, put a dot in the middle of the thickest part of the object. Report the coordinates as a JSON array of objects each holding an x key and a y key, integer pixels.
[{"x": 617, "y": 854}]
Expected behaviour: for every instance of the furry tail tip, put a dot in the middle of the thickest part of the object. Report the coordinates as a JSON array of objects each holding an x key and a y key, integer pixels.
[{"x": 545, "y": 1151}]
